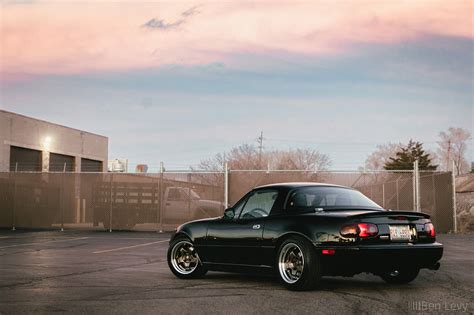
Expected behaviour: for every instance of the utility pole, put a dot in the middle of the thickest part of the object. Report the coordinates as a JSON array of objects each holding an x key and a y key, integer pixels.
[
  {"x": 260, "y": 148},
  {"x": 453, "y": 179},
  {"x": 448, "y": 157}
]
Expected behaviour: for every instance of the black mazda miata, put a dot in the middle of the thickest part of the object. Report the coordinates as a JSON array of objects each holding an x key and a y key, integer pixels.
[{"x": 302, "y": 231}]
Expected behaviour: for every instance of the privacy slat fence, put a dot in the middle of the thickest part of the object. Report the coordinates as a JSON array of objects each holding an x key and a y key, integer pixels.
[{"x": 162, "y": 201}]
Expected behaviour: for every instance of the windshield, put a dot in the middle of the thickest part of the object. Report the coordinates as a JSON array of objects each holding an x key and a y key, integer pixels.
[
  {"x": 329, "y": 198},
  {"x": 194, "y": 195}
]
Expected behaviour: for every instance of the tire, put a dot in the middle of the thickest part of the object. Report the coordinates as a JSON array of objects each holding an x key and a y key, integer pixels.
[
  {"x": 297, "y": 264},
  {"x": 183, "y": 260},
  {"x": 400, "y": 276}
]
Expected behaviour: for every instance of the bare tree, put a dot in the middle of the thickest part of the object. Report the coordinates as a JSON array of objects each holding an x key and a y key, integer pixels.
[
  {"x": 452, "y": 147},
  {"x": 248, "y": 157},
  {"x": 377, "y": 159},
  {"x": 299, "y": 159},
  {"x": 243, "y": 157}
]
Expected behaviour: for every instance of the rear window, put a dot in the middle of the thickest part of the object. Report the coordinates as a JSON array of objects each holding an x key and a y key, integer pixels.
[{"x": 329, "y": 198}]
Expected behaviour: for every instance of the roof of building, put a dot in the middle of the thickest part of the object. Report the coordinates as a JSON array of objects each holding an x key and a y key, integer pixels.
[
  {"x": 48, "y": 122},
  {"x": 465, "y": 183}
]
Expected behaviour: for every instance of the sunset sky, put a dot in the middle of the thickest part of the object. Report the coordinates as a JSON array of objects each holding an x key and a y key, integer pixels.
[{"x": 180, "y": 81}]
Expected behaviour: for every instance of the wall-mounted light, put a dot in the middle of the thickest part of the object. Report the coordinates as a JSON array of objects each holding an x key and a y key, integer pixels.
[{"x": 47, "y": 143}]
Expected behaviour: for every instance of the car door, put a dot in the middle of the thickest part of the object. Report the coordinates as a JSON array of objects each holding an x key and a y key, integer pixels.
[
  {"x": 176, "y": 205},
  {"x": 239, "y": 241}
]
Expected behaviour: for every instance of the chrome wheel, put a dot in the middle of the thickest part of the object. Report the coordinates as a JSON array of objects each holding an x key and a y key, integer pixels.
[
  {"x": 291, "y": 263},
  {"x": 184, "y": 258}
]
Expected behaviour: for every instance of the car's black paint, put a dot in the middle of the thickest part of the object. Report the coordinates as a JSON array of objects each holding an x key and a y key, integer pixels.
[{"x": 225, "y": 244}]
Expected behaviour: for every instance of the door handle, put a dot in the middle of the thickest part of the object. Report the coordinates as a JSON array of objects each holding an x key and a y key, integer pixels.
[{"x": 256, "y": 226}]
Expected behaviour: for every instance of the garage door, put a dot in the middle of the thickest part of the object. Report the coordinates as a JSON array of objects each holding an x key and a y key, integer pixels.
[
  {"x": 61, "y": 162},
  {"x": 25, "y": 160},
  {"x": 88, "y": 165}
]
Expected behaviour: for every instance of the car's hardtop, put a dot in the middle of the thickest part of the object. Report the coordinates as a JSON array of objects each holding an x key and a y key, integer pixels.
[
  {"x": 293, "y": 185},
  {"x": 285, "y": 189}
]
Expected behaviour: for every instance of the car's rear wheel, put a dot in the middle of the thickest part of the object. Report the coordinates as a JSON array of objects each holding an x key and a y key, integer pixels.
[
  {"x": 183, "y": 260},
  {"x": 298, "y": 265},
  {"x": 400, "y": 275}
]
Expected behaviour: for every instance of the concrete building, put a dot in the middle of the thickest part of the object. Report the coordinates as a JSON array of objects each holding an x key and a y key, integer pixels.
[{"x": 29, "y": 144}]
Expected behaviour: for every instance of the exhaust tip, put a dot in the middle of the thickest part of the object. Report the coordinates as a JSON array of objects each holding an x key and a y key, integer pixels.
[{"x": 435, "y": 266}]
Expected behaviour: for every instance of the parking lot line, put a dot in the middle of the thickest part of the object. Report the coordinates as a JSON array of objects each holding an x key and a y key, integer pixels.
[
  {"x": 39, "y": 243},
  {"x": 127, "y": 247}
]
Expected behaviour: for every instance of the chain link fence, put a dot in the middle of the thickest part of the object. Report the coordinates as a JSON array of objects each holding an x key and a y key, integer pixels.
[{"x": 162, "y": 201}]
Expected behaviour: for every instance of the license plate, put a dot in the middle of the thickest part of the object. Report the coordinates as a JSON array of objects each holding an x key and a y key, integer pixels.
[{"x": 400, "y": 233}]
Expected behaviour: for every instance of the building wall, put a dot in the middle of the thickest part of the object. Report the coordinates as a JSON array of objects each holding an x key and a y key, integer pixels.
[{"x": 27, "y": 132}]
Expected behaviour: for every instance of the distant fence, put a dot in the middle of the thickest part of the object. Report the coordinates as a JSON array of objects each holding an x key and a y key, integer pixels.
[{"x": 162, "y": 201}]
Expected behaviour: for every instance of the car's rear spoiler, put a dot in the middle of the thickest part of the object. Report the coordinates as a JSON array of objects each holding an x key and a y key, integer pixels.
[{"x": 396, "y": 213}]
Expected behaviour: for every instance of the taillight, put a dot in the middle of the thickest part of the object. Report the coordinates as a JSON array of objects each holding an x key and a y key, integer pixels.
[
  {"x": 367, "y": 229},
  {"x": 361, "y": 229},
  {"x": 430, "y": 230},
  {"x": 350, "y": 231}
]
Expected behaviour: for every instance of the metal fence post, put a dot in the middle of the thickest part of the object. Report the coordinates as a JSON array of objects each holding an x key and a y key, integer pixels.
[
  {"x": 111, "y": 203},
  {"x": 383, "y": 195},
  {"x": 433, "y": 191},
  {"x": 418, "y": 190},
  {"x": 416, "y": 187},
  {"x": 226, "y": 185},
  {"x": 62, "y": 195},
  {"x": 398, "y": 193},
  {"x": 189, "y": 197},
  {"x": 156, "y": 195},
  {"x": 160, "y": 202},
  {"x": 14, "y": 196},
  {"x": 417, "y": 176},
  {"x": 455, "y": 223}
]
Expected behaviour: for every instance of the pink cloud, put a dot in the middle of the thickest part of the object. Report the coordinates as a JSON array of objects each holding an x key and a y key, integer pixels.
[{"x": 71, "y": 37}]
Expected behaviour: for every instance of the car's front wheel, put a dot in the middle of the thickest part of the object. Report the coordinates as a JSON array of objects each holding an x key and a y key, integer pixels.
[
  {"x": 183, "y": 260},
  {"x": 298, "y": 265},
  {"x": 400, "y": 275}
]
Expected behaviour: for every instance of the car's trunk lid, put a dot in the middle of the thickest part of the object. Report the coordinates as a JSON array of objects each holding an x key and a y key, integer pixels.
[{"x": 393, "y": 226}]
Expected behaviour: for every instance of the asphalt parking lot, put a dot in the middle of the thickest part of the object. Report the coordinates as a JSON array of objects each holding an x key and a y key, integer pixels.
[{"x": 126, "y": 272}]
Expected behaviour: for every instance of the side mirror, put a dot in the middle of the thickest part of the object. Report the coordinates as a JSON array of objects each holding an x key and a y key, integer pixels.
[{"x": 229, "y": 213}]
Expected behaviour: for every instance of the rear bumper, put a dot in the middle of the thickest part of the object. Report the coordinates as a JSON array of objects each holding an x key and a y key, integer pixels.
[{"x": 378, "y": 258}]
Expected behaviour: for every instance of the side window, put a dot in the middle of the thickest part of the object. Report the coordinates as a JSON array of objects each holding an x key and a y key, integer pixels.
[
  {"x": 238, "y": 207},
  {"x": 303, "y": 199},
  {"x": 259, "y": 204},
  {"x": 299, "y": 199},
  {"x": 173, "y": 194}
]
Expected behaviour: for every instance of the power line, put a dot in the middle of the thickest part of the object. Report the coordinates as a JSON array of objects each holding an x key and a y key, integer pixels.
[{"x": 340, "y": 142}]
